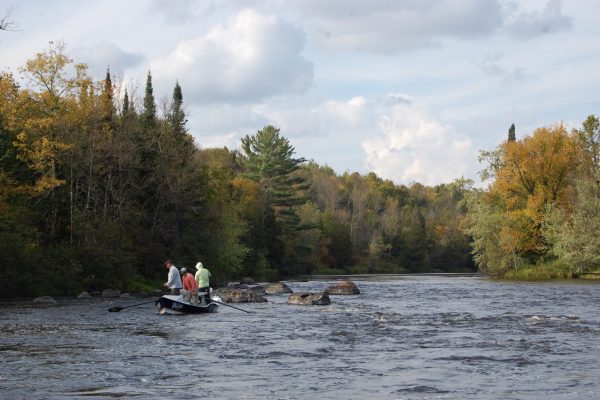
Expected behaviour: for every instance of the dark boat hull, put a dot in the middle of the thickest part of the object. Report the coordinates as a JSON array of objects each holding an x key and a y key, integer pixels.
[{"x": 176, "y": 305}]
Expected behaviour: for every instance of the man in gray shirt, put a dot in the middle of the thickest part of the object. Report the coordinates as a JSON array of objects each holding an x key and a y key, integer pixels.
[{"x": 174, "y": 280}]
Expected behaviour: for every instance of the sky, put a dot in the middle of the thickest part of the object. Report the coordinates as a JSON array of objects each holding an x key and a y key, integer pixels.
[{"x": 409, "y": 89}]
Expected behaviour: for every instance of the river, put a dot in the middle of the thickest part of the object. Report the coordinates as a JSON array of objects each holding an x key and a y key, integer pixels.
[{"x": 403, "y": 337}]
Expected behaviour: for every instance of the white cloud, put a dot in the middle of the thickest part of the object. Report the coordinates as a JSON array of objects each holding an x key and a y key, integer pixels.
[
  {"x": 251, "y": 58},
  {"x": 395, "y": 139},
  {"x": 413, "y": 146}
]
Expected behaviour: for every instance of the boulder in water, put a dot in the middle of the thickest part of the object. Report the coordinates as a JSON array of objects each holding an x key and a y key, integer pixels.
[
  {"x": 84, "y": 295},
  {"x": 343, "y": 288},
  {"x": 310, "y": 299},
  {"x": 277, "y": 288},
  {"x": 253, "y": 294}
]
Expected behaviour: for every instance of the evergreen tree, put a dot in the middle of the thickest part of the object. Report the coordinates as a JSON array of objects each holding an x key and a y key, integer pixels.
[
  {"x": 268, "y": 160},
  {"x": 177, "y": 115},
  {"x": 126, "y": 106},
  {"x": 511, "y": 133},
  {"x": 108, "y": 108},
  {"x": 149, "y": 112}
]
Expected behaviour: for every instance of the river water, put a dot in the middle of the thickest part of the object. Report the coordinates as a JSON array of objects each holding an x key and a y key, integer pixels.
[{"x": 403, "y": 337}]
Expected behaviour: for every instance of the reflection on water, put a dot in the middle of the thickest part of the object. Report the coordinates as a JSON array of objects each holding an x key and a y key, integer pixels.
[{"x": 424, "y": 337}]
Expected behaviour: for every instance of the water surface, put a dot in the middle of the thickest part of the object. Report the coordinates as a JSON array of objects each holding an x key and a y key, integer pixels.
[{"x": 421, "y": 337}]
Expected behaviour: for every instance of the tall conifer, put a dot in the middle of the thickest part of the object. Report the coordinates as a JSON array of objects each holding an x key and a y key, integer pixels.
[
  {"x": 126, "y": 105},
  {"x": 512, "y": 136},
  {"x": 177, "y": 115},
  {"x": 108, "y": 109},
  {"x": 149, "y": 113}
]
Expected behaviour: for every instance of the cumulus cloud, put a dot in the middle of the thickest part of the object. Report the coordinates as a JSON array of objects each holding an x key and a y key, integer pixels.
[
  {"x": 383, "y": 26},
  {"x": 388, "y": 135},
  {"x": 413, "y": 146},
  {"x": 102, "y": 55},
  {"x": 251, "y": 58},
  {"x": 540, "y": 22}
]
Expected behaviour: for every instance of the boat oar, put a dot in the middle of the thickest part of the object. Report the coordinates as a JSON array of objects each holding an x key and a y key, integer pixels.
[
  {"x": 117, "y": 309},
  {"x": 227, "y": 305}
]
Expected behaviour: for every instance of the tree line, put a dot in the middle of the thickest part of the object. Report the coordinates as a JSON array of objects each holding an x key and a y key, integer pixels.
[{"x": 98, "y": 188}]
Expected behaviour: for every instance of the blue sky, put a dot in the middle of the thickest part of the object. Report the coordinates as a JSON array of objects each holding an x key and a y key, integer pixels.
[{"x": 408, "y": 89}]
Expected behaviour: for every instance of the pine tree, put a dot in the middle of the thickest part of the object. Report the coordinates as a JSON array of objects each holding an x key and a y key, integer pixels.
[
  {"x": 268, "y": 160},
  {"x": 108, "y": 108},
  {"x": 511, "y": 133},
  {"x": 149, "y": 113},
  {"x": 177, "y": 115}
]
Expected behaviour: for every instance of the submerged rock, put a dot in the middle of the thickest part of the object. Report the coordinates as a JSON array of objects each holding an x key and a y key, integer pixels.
[
  {"x": 310, "y": 299},
  {"x": 111, "y": 293},
  {"x": 343, "y": 288},
  {"x": 277, "y": 288},
  {"x": 44, "y": 300}
]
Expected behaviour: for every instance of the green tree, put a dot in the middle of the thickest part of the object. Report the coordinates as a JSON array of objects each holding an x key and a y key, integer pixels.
[
  {"x": 268, "y": 160},
  {"x": 573, "y": 237},
  {"x": 589, "y": 138},
  {"x": 149, "y": 110}
]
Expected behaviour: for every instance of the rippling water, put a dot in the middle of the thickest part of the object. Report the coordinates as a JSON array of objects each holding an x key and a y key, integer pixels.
[{"x": 424, "y": 337}]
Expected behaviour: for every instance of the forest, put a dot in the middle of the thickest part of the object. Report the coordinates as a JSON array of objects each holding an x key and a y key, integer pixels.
[{"x": 99, "y": 186}]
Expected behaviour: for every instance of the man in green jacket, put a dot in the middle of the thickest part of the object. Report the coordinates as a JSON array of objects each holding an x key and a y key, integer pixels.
[{"x": 202, "y": 278}]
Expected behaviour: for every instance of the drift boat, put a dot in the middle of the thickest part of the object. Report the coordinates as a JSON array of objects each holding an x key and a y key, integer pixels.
[{"x": 177, "y": 305}]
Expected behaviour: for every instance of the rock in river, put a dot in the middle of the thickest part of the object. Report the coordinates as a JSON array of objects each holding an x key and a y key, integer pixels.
[
  {"x": 248, "y": 294},
  {"x": 343, "y": 288},
  {"x": 277, "y": 288},
  {"x": 309, "y": 299}
]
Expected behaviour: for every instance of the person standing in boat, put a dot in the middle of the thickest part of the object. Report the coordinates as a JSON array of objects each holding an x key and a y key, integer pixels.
[
  {"x": 202, "y": 278},
  {"x": 174, "y": 280},
  {"x": 190, "y": 287}
]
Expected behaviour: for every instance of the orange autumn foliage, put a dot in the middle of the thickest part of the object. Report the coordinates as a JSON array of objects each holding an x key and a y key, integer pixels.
[{"x": 534, "y": 173}]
